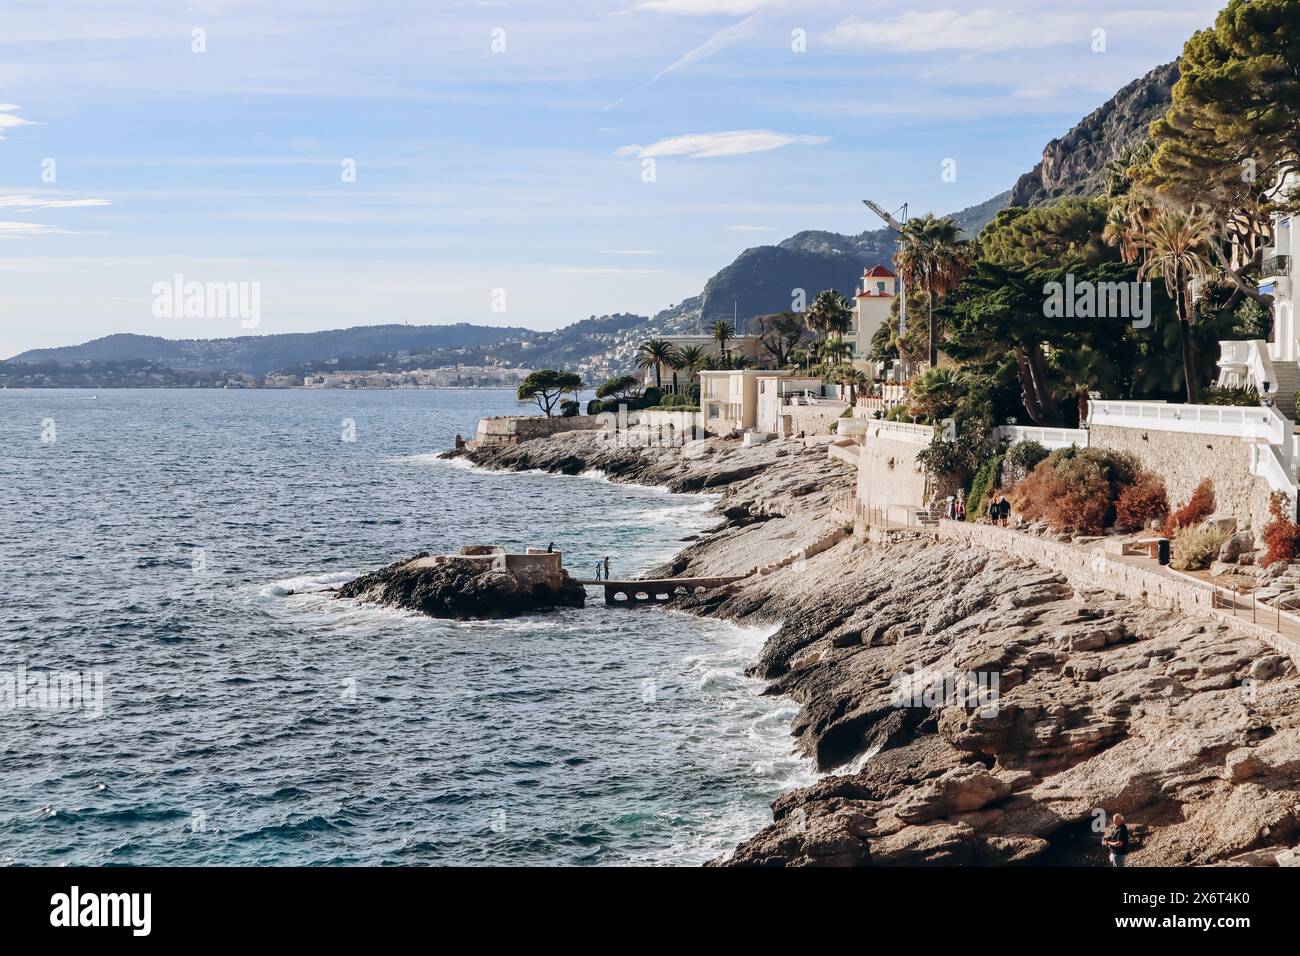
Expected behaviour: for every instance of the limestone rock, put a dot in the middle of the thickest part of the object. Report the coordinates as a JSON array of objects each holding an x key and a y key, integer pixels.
[
  {"x": 465, "y": 587},
  {"x": 1217, "y": 522},
  {"x": 1243, "y": 542}
]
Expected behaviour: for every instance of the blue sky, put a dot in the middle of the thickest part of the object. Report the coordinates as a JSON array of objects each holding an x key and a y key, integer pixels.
[{"x": 518, "y": 168}]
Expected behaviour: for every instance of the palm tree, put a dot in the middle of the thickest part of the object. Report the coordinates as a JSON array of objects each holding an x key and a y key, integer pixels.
[
  {"x": 1176, "y": 243},
  {"x": 933, "y": 257},
  {"x": 854, "y": 379},
  {"x": 656, "y": 353},
  {"x": 723, "y": 331},
  {"x": 693, "y": 359},
  {"x": 835, "y": 349},
  {"x": 830, "y": 312}
]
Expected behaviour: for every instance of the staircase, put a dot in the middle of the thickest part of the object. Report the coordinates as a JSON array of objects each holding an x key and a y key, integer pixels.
[
  {"x": 930, "y": 516},
  {"x": 1288, "y": 383}
]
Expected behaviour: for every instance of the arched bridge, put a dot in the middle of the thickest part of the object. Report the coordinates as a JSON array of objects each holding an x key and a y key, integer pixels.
[{"x": 656, "y": 590}]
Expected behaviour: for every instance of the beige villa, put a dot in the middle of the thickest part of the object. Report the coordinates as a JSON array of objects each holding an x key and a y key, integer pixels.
[{"x": 765, "y": 400}]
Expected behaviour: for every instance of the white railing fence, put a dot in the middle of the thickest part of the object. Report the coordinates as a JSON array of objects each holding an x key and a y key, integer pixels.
[
  {"x": 1047, "y": 437},
  {"x": 1249, "y": 423}
]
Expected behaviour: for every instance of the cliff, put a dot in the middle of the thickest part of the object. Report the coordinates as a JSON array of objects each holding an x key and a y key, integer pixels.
[{"x": 1075, "y": 164}]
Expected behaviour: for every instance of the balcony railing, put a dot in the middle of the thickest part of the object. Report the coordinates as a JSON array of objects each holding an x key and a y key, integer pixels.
[{"x": 1275, "y": 266}]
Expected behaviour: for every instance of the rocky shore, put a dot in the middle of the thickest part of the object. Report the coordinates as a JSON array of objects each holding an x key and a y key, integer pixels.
[{"x": 1102, "y": 705}]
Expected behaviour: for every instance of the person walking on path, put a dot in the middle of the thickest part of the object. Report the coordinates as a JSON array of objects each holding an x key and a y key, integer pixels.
[
  {"x": 1116, "y": 840},
  {"x": 597, "y": 570},
  {"x": 1004, "y": 510}
]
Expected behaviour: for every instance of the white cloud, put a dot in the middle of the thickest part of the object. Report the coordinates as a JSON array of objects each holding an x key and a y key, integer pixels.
[
  {"x": 738, "y": 142},
  {"x": 25, "y": 230},
  {"x": 704, "y": 8},
  {"x": 1000, "y": 29},
  {"x": 31, "y": 202},
  {"x": 8, "y": 120},
  {"x": 718, "y": 41},
  {"x": 984, "y": 30},
  {"x": 603, "y": 271}
]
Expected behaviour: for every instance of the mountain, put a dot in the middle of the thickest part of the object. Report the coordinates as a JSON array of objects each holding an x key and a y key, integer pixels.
[
  {"x": 760, "y": 280},
  {"x": 764, "y": 279},
  {"x": 259, "y": 354}
]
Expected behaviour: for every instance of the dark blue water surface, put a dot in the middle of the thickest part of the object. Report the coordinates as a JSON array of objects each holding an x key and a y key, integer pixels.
[{"x": 178, "y": 545}]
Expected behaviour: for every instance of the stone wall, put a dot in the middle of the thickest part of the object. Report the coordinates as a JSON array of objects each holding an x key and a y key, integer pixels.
[
  {"x": 889, "y": 474},
  {"x": 671, "y": 423},
  {"x": 1092, "y": 568},
  {"x": 513, "y": 429},
  {"x": 812, "y": 419},
  {"x": 1185, "y": 459}
]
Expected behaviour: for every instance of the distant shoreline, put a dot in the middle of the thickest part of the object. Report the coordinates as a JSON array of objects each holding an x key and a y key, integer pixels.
[{"x": 249, "y": 388}]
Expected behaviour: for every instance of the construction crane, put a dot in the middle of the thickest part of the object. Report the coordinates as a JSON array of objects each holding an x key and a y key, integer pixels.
[{"x": 894, "y": 223}]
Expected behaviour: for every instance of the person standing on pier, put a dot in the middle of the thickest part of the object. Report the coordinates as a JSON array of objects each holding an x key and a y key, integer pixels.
[
  {"x": 597, "y": 570},
  {"x": 606, "y": 567}
]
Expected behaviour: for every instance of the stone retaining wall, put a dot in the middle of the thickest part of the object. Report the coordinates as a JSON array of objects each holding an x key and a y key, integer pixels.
[
  {"x": 670, "y": 423},
  {"x": 1184, "y": 459},
  {"x": 1093, "y": 569},
  {"x": 513, "y": 429},
  {"x": 811, "y": 419}
]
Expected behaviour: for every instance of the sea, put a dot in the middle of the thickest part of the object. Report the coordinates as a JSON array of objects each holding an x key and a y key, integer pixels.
[{"x": 178, "y": 685}]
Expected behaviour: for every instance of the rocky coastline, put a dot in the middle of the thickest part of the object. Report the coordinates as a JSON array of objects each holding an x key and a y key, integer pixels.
[{"x": 1102, "y": 704}]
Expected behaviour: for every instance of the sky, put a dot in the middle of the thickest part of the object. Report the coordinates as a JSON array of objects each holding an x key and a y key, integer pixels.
[{"x": 525, "y": 163}]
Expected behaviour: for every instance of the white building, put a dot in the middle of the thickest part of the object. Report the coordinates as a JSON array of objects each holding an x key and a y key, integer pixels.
[
  {"x": 767, "y": 401},
  {"x": 1272, "y": 367},
  {"x": 875, "y": 299}
]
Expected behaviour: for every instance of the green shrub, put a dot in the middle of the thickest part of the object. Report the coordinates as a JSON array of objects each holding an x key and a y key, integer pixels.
[
  {"x": 1245, "y": 395},
  {"x": 1194, "y": 549},
  {"x": 569, "y": 408},
  {"x": 674, "y": 401},
  {"x": 981, "y": 488},
  {"x": 594, "y": 406},
  {"x": 1024, "y": 455}
]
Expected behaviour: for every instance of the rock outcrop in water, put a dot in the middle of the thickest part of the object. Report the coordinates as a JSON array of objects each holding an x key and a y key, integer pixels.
[{"x": 478, "y": 583}]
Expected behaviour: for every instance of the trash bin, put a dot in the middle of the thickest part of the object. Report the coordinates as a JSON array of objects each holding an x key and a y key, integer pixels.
[{"x": 1162, "y": 550}]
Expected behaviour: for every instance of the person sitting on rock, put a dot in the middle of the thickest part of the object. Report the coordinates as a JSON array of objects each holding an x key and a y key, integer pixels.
[{"x": 1116, "y": 840}]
